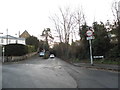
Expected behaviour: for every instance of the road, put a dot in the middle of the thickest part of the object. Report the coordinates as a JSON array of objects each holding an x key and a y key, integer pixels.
[{"x": 54, "y": 73}]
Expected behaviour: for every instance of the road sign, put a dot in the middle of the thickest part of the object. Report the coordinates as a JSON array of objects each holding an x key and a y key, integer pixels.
[
  {"x": 89, "y": 38},
  {"x": 98, "y": 56},
  {"x": 89, "y": 33}
]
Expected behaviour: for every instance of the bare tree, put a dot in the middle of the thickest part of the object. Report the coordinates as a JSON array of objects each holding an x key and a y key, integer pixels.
[
  {"x": 66, "y": 23},
  {"x": 116, "y": 13},
  {"x": 58, "y": 27},
  {"x": 80, "y": 19}
]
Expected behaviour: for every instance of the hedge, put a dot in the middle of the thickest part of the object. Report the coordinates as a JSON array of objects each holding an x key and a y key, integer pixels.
[
  {"x": 15, "y": 50},
  {"x": 31, "y": 48}
]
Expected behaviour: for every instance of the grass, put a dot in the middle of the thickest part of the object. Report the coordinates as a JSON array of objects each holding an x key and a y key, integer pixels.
[{"x": 97, "y": 61}]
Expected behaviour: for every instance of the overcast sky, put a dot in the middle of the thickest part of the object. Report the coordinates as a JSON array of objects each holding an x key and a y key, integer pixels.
[{"x": 33, "y": 15}]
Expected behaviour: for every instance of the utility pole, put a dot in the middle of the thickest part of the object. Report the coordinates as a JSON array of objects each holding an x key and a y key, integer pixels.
[
  {"x": 7, "y": 36},
  {"x": 19, "y": 34},
  {"x": 3, "y": 50}
]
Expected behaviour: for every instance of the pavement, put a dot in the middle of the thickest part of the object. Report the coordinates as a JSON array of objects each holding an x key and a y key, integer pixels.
[{"x": 99, "y": 66}]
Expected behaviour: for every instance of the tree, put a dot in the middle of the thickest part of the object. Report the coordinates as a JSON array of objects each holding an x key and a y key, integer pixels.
[
  {"x": 84, "y": 45},
  {"x": 101, "y": 43},
  {"x": 66, "y": 23},
  {"x": 61, "y": 50},
  {"x": 116, "y": 14},
  {"x": 47, "y": 34},
  {"x": 32, "y": 40},
  {"x": 41, "y": 45}
]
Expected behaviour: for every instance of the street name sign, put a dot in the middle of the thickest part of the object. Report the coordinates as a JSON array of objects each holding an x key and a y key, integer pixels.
[{"x": 89, "y": 38}]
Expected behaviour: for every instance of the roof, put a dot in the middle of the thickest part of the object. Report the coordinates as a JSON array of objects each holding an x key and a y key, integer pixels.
[
  {"x": 11, "y": 37},
  {"x": 25, "y": 34}
]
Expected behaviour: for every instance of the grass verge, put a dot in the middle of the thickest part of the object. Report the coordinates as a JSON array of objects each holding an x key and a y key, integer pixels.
[{"x": 97, "y": 61}]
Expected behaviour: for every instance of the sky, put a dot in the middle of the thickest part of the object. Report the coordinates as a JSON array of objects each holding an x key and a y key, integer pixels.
[{"x": 33, "y": 15}]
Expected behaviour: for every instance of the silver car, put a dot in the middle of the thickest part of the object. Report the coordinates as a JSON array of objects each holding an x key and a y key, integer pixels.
[
  {"x": 41, "y": 54},
  {"x": 52, "y": 56}
]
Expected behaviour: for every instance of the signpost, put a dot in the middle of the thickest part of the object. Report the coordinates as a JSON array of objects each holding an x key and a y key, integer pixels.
[{"x": 89, "y": 33}]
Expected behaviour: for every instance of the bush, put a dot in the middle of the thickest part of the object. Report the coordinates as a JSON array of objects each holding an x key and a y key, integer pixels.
[
  {"x": 114, "y": 53},
  {"x": 47, "y": 54},
  {"x": 32, "y": 40},
  {"x": 31, "y": 48},
  {"x": 15, "y": 50}
]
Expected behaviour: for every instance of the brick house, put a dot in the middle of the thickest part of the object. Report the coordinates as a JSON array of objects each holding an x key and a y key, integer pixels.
[{"x": 25, "y": 34}]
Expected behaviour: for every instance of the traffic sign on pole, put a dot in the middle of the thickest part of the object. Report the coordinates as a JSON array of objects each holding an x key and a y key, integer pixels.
[
  {"x": 89, "y": 38},
  {"x": 89, "y": 33}
]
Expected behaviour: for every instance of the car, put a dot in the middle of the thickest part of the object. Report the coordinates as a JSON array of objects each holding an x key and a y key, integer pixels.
[
  {"x": 41, "y": 54},
  {"x": 52, "y": 56}
]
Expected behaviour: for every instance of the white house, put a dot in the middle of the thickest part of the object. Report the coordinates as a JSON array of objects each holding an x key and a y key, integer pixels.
[{"x": 8, "y": 39}]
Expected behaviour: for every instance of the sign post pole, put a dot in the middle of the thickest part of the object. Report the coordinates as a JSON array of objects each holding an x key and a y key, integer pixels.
[
  {"x": 90, "y": 37},
  {"x": 91, "y": 58}
]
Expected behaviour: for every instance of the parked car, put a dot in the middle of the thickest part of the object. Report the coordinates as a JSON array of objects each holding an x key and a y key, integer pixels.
[
  {"x": 41, "y": 54},
  {"x": 52, "y": 56}
]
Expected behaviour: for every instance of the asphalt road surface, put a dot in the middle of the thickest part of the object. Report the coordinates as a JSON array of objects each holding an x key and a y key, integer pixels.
[{"x": 54, "y": 73}]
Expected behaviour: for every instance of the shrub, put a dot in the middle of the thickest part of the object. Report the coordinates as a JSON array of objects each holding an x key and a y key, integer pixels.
[
  {"x": 47, "y": 54},
  {"x": 114, "y": 53},
  {"x": 15, "y": 50},
  {"x": 31, "y": 48}
]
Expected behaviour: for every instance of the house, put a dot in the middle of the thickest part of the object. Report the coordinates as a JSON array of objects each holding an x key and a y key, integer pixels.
[
  {"x": 8, "y": 39},
  {"x": 25, "y": 34}
]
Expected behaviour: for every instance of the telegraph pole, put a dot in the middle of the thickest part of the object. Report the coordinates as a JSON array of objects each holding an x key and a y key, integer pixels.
[
  {"x": 7, "y": 36},
  {"x": 3, "y": 50}
]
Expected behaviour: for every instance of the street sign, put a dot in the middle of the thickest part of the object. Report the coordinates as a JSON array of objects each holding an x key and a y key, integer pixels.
[
  {"x": 89, "y": 38},
  {"x": 98, "y": 56},
  {"x": 89, "y": 33}
]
